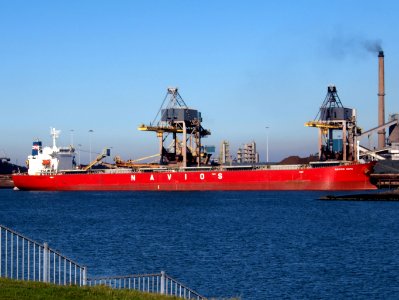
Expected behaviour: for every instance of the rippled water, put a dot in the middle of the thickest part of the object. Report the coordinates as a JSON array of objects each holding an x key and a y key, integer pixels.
[{"x": 253, "y": 245}]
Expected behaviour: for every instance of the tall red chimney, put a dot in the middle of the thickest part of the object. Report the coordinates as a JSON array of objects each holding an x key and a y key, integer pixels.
[{"x": 381, "y": 100}]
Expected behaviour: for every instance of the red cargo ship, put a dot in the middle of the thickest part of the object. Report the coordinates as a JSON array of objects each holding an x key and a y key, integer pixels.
[
  {"x": 185, "y": 166},
  {"x": 312, "y": 177}
]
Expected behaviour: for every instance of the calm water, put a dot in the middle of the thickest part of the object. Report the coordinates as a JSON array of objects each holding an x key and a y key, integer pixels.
[{"x": 254, "y": 245}]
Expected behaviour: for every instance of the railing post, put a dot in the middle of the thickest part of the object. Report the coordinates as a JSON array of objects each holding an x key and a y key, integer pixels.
[
  {"x": 45, "y": 262},
  {"x": 0, "y": 249},
  {"x": 84, "y": 283},
  {"x": 162, "y": 282}
]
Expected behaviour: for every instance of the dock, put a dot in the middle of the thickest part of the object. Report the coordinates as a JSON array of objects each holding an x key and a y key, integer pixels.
[
  {"x": 385, "y": 181},
  {"x": 386, "y": 174},
  {"x": 381, "y": 196},
  {"x": 6, "y": 182}
]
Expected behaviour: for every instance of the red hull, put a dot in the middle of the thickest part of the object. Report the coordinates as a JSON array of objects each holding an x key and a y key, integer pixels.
[{"x": 349, "y": 177}]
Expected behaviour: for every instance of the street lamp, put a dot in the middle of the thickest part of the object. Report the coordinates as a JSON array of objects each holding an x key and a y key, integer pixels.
[
  {"x": 90, "y": 134},
  {"x": 79, "y": 147},
  {"x": 267, "y": 143},
  {"x": 71, "y": 131}
]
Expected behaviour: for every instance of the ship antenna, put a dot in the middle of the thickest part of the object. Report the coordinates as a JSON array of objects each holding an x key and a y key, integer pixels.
[{"x": 55, "y": 134}]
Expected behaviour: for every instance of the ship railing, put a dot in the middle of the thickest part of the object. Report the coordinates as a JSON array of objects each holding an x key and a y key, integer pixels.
[
  {"x": 287, "y": 167},
  {"x": 330, "y": 163},
  {"x": 48, "y": 172},
  {"x": 118, "y": 171},
  {"x": 143, "y": 170},
  {"x": 159, "y": 283},
  {"x": 24, "y": 259},
  {"x": 203, "y": 168}
]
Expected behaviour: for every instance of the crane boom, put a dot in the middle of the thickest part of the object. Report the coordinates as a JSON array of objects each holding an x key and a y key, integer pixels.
[
  {"x": 324, "y": 125},
  {"x": 106, "y": 152}
]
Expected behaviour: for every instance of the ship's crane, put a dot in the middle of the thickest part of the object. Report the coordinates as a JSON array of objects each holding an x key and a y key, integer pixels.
[
  {"x": 106, "y": 152},
  {"x": 332, "y": 117},
  {"x": 175, "y": 117}
]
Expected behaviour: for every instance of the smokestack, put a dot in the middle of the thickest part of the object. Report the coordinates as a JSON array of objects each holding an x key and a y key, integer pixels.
[{"x": 381, "y": 100}]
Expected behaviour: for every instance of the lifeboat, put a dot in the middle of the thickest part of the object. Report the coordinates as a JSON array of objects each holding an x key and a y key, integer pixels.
[{"x": 46, "y": 162}]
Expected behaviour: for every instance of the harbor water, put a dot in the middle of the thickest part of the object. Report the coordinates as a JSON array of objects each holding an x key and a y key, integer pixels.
[{"x": 252, "y": 245}]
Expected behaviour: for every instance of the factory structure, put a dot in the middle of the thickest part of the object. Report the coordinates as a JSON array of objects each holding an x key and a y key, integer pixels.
[
  {"x": 339, "y": 134},
  {"x": 247, "y": 154},
  {"x": 184, "y": 162},
  {"x": 337, "y": 129},
  {"x": 224, "y": 156},
  {"x": 180, "y": 133},
  {"x": 388, "y": 132}
]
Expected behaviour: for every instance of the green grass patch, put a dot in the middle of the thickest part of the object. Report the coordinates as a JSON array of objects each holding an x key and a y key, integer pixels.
[{"x": 17, "y": 289}]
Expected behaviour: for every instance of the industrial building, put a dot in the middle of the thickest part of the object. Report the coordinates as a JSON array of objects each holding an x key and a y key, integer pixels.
[
  {"x": 224, "y": 155},
  {"x": 248, "y": 154}
]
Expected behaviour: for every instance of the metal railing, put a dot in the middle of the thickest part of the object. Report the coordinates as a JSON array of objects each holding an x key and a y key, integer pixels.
[
  {"x": 24, "y": 259},
  {"x": 160, "y": 283}
]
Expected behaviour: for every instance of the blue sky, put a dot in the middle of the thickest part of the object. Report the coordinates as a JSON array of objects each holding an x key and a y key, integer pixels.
[{"x": 105, "y": 66}]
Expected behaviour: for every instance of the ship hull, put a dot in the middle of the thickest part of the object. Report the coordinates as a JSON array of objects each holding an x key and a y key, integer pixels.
[{"x": 349, "y": 177}]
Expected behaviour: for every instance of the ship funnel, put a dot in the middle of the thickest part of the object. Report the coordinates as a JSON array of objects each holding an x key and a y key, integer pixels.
[
  {"x": 36, "y": 147},
  {"x": 381, "y": 100}
]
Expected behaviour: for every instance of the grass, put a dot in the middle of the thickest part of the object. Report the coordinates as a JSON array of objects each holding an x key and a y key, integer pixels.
[{"x": 17, "y": 289}]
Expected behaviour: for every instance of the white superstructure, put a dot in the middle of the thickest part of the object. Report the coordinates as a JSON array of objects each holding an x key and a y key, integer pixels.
[{"x": 50, "y": 160}]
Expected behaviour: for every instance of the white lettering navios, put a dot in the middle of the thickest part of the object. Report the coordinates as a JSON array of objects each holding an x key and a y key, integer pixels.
[
  {"x": 202, "y": 176},
  {"x": 169, "y": 176},
  {"x": 133, "y": 178}
]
